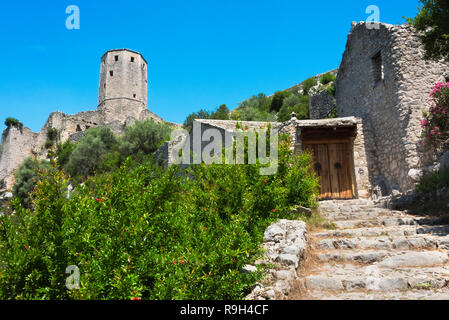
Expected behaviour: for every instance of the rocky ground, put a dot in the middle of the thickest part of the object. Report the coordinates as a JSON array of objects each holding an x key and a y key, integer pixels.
[{"x": 375, "y": 253}]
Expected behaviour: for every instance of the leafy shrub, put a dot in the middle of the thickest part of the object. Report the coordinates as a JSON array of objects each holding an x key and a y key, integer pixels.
[
  {"x": 52, "y": 134},
  {"x": 26, "y": 178},
  {"x": 327, "y": 78},
  {"x": 436, "y": 122},
  {"x": 431, "y": 182},
  {"x": 296, "y": 104},
  {"x": 308, "y": 84},
  {"x": 277, "y": 101},
  {"x": 64, "y": 152},
  {"x": 12, "y": 122},
  {"x": 222, "y": 113},
  {"x": 333, "y": 113},
  {"x": 260, "y": 102},
  {"x": 148, "y": 233},
  {"x": 88, "y": 152},
  {"x": 143, "y": 137},
  {"x": 253, "y": 114},
  {"x": 331, "y": 89},
  {"x": 202, "y": 114}
]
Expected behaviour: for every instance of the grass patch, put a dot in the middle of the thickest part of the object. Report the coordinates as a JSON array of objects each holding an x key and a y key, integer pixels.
[{"x": 318, "y": 222}]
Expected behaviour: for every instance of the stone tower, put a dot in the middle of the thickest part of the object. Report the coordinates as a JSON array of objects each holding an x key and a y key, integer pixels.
[{"x": 123, "y": 85}]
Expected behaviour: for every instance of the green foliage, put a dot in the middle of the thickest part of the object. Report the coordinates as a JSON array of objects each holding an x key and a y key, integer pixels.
[
  {"x": 148, "y": 233},
  {"x": 278, "y": 100},
  {"x": 308, "y": 84},
  {"x": 12, "y": 122},
  {"x": 433, "y": 21},
  {"x": 252, "y": 114},
  {"x": 333, "y": 113},
  {"x": 260, "y": 102},
  {"x": 296, "y": 104},
  {"x": 202, "y": 114},
  {"x": 89, "y": 151},
  {"x": 26, "y": 178},
  {"x": 327, "y": 78},
  {"x": 143, "y": 137},
  {"x": 222, "y": 113},
  {"x": 64, "y": 152},
  {"x": 331, "y": 89},
  {"x": 434, "y": 181},
  {"x": 52, "y": 134}
]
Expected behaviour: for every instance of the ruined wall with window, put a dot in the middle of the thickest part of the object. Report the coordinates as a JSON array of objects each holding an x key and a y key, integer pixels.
[{"x": 384, "y": 79}]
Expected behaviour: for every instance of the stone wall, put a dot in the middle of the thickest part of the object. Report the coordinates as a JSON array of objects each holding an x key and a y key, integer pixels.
[
  {"x": 384, "y": 80},
  {"x": 285, "y": 243},
  {"x": 320, "y": 105}
]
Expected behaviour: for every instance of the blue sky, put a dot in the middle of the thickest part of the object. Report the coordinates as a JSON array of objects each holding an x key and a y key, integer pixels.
[{"x": 201, "y": 54}]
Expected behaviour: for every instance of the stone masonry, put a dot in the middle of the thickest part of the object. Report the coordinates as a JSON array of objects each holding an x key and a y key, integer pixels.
[{"x": 384, "y": 80}]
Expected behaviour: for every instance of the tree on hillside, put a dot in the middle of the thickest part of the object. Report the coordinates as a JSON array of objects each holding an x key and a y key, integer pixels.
[
  {"x": 433, "y": 20},
  {"x": 222, "y": 113},
  {"x": 188, "y": 122},
  {"x": 278, "y": 100}
]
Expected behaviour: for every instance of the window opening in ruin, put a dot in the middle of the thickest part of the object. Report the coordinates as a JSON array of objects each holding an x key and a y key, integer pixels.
[
  {"x": 132, "y": 59},
  {"x": 377, "y": 66},
  {"x": 111, "y": 73},
  {"x": 116, "y": 58},
  {"x": 134, "y": 95},
  {"x": 78, "y": 128}
]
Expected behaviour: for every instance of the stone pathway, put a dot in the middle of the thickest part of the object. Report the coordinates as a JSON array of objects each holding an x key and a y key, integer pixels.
[{"x": 377, "y": 253}]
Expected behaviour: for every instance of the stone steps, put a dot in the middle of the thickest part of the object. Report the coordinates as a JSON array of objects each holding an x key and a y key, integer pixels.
[
  {"x": 395, "y": 258},
  {"x": 411, "y": 294},
  {"x": 417, "y": 242},
  {"x": 377, "y": 254},
  {"x": 392, "y": 231}
]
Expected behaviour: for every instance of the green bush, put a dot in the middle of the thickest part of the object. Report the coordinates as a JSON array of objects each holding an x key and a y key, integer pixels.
[
  {"x": 148, "y": 233},
  {"x": 253, "y": 114},
  {"x": 143, "y": 137},
  {"x": 12, "y": 122},
  {"x": 26, "y": 178},
  {"x": 327, "y": 78},
  {"x": 296, "y": 104},
  {"x": 431, "y": 182},
  {"x": 87, "y": 154},
  {"x": 64, "y": 152},
  {"x": 308, "y": 84},
  {"x": 278, "y": 100}
]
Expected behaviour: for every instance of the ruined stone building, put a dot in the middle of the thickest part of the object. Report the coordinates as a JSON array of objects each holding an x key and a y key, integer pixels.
[
  {"x": 122, "y": 100},
  {"x": 372, "y": 149}
]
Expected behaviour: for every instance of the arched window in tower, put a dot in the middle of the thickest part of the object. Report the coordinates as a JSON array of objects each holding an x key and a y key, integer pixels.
[{"x": 132, "y": 59}]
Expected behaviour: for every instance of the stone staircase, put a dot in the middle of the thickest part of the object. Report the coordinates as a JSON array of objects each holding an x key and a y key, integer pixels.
[{"x": 377, "y": 253}]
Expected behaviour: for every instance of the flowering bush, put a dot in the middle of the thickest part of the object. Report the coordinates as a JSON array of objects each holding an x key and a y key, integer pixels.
[
  {"x": 146, "y": 233},
  {"x": 436, "y": 123}
]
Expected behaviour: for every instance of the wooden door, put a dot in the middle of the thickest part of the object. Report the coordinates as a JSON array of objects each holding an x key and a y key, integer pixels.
[{"x": 333, "y": 164}]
